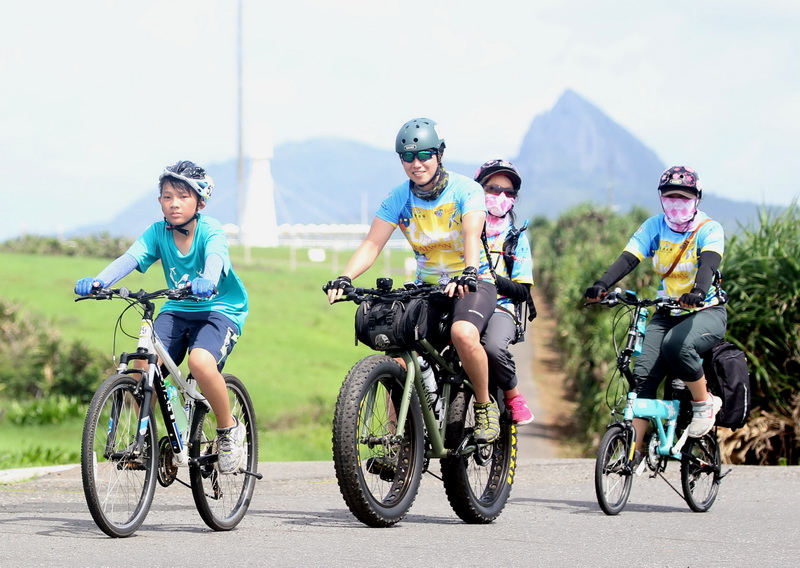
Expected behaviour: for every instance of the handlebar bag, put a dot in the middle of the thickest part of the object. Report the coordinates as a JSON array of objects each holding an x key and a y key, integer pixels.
[{"x": 391, "y": 324}]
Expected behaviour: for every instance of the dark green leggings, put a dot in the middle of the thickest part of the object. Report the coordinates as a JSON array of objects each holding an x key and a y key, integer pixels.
[{"x": 673, "y": 346}]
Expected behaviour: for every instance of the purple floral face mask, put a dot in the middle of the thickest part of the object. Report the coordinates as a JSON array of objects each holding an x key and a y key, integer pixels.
[{"x": 680, "y": 213}]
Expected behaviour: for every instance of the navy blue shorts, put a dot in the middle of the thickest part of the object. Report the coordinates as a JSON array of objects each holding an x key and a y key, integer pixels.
[{"x": 181, "y": 332}]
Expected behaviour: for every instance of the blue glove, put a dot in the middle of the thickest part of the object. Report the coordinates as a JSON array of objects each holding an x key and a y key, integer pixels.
[
  {"x": 84, "y": 286},
  {"x": 202, "y": 287}
]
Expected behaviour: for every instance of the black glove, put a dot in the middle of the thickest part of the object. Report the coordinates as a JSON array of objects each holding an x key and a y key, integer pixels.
[
  {"x": 693, "y": 299},
  {"x": 340, "y": 283},
  {"x": 468, "y": 278},
  {"x": 596, "y": 291}
]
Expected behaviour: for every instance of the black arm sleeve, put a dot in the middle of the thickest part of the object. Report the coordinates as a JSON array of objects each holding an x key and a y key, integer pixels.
[
  {"x": 514, "y": 290},
  {"x": 707, "y": 265},
  {"x": 621, "y": 268}
]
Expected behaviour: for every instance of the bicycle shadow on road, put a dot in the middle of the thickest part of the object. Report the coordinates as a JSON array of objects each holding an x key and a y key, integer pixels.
[
  {"x": 591, "y": 507},
  {"x": 333, "y": 518}
]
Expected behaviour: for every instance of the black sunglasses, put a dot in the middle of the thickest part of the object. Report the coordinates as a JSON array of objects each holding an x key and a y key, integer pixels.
[
  {"x": 422, "y": 155},
  {"x": 497, "y": 190}
]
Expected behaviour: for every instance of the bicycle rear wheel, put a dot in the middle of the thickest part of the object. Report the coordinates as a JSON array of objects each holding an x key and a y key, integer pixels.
[
  {"x": 612, "y": 473},
  {"x": 118, "y": 483},
  {"x": 378, "y": 473},
  {"x": 700, "y": 466},
  {"x": 478, "y": 483},
  {"x": 222, "y": 500}
]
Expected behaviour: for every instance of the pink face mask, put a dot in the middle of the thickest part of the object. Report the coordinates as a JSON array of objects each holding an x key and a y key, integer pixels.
[
  {"x": 680, "y": 213},
  {"x": 499, "y": 205}
]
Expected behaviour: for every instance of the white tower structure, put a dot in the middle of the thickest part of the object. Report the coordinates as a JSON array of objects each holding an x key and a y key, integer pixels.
[{"x": 258, "y": 223}]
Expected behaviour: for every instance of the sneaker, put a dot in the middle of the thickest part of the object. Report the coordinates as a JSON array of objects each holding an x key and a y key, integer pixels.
[
  {"x": 384, "y": 466},
  {"x": 229, "y": 447},
  {"x": 703, "y": 415},
  {"x": 487, "y": 422},
  {"x": 520, "y": 413}
]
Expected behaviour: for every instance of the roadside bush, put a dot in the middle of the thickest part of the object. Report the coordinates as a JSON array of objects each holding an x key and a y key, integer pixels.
[{"x": 96, "y": 246}]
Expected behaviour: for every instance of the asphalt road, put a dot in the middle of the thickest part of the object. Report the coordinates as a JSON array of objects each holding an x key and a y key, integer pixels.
[{"x": 298, "y": 518}]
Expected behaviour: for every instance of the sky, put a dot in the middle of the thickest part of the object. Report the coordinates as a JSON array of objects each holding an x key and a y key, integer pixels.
[{"x": 97, "y": 96}]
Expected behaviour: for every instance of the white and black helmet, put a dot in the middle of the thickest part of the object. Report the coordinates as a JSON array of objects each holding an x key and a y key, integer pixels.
[{"x": 191, "y": 174}]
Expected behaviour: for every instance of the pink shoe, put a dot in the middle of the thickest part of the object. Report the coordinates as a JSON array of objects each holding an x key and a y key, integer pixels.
[{"x": 520, "y": 413}]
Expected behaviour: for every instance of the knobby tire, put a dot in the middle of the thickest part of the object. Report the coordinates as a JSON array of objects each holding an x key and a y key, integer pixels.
[
  {"x": 478, "y": 484},
  {"x": 378, "y": 475}
]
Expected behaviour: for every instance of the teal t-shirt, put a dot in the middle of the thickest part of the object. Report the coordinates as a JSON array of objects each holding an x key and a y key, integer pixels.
[{"x": 156, "y": 243}]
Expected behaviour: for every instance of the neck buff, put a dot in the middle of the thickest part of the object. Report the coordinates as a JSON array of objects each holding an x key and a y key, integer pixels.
[
  {"x": 680, "y": 213},
  {"x": 498, "y": 220},
  {"x": 437, "y": 188}
]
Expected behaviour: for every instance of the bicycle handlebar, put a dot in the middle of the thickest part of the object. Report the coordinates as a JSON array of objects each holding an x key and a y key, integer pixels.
[
  {"x": 629, "y": 298},
  {"x": 141, "y": 296},
  {"x": 409, "y": 290}
]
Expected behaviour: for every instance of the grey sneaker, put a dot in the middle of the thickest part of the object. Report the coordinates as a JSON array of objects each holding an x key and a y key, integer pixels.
[
  {"x": 703, "y": 416},
  {"x": 229, "y": 447},
  {"x": 487, "y": 422}
]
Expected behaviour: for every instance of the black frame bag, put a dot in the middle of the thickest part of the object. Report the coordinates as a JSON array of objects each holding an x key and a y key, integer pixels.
[
  {"x": 728, "y": 377},
  {"x": 391, "y": 324}
]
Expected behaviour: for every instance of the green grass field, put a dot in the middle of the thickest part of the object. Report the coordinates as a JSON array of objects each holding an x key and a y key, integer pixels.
[{"x": 292, "y": 356}]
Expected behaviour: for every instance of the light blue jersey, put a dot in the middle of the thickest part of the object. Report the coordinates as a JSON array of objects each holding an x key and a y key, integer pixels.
[
  {"x": 522, "y": 268},
  {"x": 156, "y": 243},
  {"x": 654, "y": 239},
  {"x": 434, "y": 228}
]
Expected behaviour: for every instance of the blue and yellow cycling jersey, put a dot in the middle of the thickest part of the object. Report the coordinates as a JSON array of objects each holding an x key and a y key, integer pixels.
[
  {"x": 434, "y": 228},
  {"x": 654, "y": 239}
]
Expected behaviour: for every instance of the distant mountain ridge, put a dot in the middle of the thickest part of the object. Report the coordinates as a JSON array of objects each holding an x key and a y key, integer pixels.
[{"x": 571, "y": 154}]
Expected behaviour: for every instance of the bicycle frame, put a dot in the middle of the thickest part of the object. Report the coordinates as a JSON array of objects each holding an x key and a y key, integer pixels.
[
  {"x": 152, "y": 350},
  {"x": 413, "y": 381},
  {"x": 658, "y": 412}
]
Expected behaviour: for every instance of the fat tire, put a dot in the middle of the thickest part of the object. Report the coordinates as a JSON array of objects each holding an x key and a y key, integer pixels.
[
  {"x": 700, "y": 481},
  {"x": 478, "y": 484},
  {"x": 613, "y": 477},
  {"x": 223, "y": 500},
  {"x": 362, "y": 429},
  {"x": 118, "y": 488}
]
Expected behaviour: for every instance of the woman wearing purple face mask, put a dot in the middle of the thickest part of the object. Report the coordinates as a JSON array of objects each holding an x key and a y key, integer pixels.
[
  {"x": 512, "y": 264},
  {"x": 686, "y": 246}
]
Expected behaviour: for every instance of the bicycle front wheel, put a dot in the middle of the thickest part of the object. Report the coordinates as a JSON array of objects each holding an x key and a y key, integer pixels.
[
  {"x": 477, "y": 483},
  {"x": 118, "y": 481},
  {"x": 222, "y": 500},
  {"x": 378, "y": 472},
  {"x": 612, "y": 473},
  {"x": 700, "y": 466}
]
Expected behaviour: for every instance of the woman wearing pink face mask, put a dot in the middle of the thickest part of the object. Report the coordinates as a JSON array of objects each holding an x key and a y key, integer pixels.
[
  {"x": 512, "y": 264},
  {"x": 686, "y": 246}
]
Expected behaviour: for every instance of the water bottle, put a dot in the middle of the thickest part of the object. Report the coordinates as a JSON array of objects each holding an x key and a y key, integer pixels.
[
  {"x": 177, "y": 408},
  {"x": 641, "y": 326},
  {"x": 430, "y": 385}
]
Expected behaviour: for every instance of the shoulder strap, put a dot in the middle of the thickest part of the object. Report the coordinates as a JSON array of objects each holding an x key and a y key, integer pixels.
[{"x": 684, "y": 246}]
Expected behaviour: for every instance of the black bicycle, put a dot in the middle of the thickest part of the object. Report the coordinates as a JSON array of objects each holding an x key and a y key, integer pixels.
[
  {"x": 386, "y": 427},
  {"x": 121, "y": 456},
  {"x": 615, "y": 467}
]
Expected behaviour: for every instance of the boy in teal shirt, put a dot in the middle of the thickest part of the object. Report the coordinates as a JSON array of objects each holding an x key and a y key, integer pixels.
[{"x": 193, "y": 251}]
